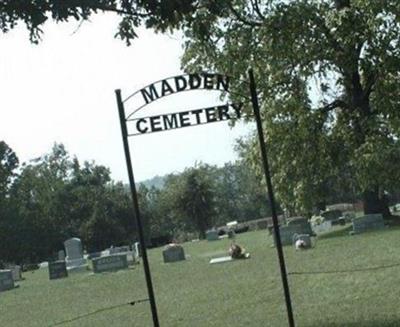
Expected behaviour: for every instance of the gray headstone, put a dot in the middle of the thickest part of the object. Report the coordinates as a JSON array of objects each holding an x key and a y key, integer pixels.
[
  {"x": 110, "y": 263},
  {"x": 120, "y": 249},
  {"x": 6, "y": 280},
  {"x": 212, "y": 235},
  {"x": 73, "y": 248},
  {"x": 301, "y": 224},
  {"x": 57, "y": 269},
  {"x": 323, "y": 227},
  {"x": 331, "y": 214},
  {"x": 287, "y": 233},
  {"x": 368, "y": 222},
  {"x": 173, "y": 253},
  {"x": 16, "y": 273}
]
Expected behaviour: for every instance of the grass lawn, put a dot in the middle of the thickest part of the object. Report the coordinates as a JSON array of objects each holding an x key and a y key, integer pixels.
[{"x": 241, "y": 293}]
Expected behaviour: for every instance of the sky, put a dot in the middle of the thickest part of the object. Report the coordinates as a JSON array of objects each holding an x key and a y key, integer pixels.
[{"x": 62, "y": 90}]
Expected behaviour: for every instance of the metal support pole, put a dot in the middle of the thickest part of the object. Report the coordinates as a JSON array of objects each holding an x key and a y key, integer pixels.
[
  {"x": 256, "y": 109},
  {"x": 136, "y": 208}
]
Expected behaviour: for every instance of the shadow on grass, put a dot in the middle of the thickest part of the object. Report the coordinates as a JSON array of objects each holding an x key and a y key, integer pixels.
[{"x": 371, "y": 323}]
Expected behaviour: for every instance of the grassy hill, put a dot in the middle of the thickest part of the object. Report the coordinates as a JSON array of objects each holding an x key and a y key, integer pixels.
[{"x": 242, "y": 293}]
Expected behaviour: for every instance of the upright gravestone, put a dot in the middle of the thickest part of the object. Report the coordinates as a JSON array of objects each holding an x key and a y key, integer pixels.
[
  {"x": 73, "y": 248},
  {"x": 323, "y": 227},
  {"x": 173, "y": 253},
  {"x": 332, "y": 215},
  {"x": 16, "y": 273},
  {"x": 212, "y": 235},
  {"x": 57, "y": 269},
  {"x": 110, "y": 263},
  {"x": 119, "y": 249},
  {"x": 368, "y": 222},
  {"x": 287, "y": 233},
  {"x": 6, "y": 280},
  {"x": 302, "y": 224}
]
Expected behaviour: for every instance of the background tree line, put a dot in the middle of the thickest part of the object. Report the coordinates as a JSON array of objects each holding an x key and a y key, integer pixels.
[{"x": 55, "y": 197}]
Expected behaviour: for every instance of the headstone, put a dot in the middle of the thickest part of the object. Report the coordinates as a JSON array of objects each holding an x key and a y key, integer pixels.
[
  {"x": 94, "y": 255},
  {"x": 16, "y": 273},
  {"x": 331, "y": 214},
  {"x": 368, "y": 222},
  {"x": 61, "y": 255},
  {"x": 212, "y": 235},
  {"x": 119, "y": 249},
  {"x": 287, "y": 233},
  {"x": 57, "y": 269},
  {"x": 322, "y": 227},
  {"x": 340, "y": 206},
  {"x": 73, "y": 248},
  {"x": 397, "y": 207},
  {"x": 6, "y": 280},
  {"x": 110, "y": 263},
  {"x": 302, "y": 224},
  {"x": 173, "y": 253}
]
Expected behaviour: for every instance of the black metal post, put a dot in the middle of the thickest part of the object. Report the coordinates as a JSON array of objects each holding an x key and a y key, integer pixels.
[
  {"x": 136, "y": 209},
  {"x": 256, "y": 109}
]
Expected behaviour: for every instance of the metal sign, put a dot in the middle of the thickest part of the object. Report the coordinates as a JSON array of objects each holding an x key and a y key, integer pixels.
[
  {"x": 132, "y": 125},
  {"x": 160, "y": 123}
]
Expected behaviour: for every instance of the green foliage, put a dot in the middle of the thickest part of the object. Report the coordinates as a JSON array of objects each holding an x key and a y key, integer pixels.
[
  {"x": 55, "y": 198},
  {"x": 8, "y": 164},
  {"x": 328, "y": 80},
  {"x": 156, "y": 14}
]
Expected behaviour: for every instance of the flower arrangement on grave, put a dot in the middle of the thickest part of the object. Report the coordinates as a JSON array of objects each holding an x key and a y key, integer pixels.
[{"x": 237, "y": 252}]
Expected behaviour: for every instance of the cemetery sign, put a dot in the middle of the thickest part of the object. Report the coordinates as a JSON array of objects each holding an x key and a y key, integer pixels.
[{"x": 134, "y": 125}]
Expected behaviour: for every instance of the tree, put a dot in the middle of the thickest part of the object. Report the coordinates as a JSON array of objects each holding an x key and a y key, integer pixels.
[
  {"x": 8, "y": 164},
  {"x": 328, "y": 75},
  {"x": 159, "y": 14},
  {"x": 238, "y": 194},
  {"x": 195, "y": 199}
]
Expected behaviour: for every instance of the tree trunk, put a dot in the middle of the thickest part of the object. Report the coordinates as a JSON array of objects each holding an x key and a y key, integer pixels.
[{"x": 375, "y": 203}]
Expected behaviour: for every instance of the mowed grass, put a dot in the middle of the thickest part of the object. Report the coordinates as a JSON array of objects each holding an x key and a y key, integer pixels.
[{"x": 241, "y": 293}]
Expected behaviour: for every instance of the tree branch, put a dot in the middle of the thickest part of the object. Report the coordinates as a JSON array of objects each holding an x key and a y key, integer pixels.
[
  {"x": 256, "y": 8},
  {"x": 333, "y": 105},
  {"x": 240, "y": 18}
]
